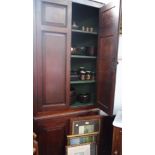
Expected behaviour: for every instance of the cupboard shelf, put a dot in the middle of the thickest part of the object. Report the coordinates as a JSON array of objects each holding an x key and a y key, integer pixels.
[
  {"x": 82, "y": 82},
  {"x": 79, "y": 104},
  {"x": 84, "y": 32},
  {"x": 83, "y": 57}
]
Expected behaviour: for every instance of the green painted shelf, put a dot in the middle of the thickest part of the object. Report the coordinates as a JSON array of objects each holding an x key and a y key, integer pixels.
[
  {"x": 84, "y": 32},
  {"x": 82, "y": 82},
  {"x": 83, "y": 57},
  {"x": 79, "y": 104}
]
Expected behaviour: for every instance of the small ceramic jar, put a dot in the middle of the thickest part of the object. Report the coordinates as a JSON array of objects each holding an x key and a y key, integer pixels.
[
  {"x": 82, "y": 73},
  {"x": 84, "y": 98},
  {"x": 83, "y": 28},
  {"x": 91, "y": 29},
  {"x": 87, "y": 29},
  {"x": 88, "y": 75}
]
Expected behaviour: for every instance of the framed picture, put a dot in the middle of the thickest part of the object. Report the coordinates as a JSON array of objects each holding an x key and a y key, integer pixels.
[
  {"x": 93, "y": 149},
  {"x": 78, "y": 150},
  {"x": 84, "y": 125},
  {"x": 86, "y": 149},
  {"x": 82, "y": 139}
]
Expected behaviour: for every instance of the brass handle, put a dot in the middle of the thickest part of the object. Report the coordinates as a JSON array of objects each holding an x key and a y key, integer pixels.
[{"x": 116, "y": 152}]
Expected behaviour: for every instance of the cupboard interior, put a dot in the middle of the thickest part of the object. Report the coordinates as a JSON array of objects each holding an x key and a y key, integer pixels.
[
  {"x": 85, "y": 16},
  {"x": 88, "y": 17}
]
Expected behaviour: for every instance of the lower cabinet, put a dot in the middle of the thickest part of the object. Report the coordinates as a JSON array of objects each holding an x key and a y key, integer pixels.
[
  {"x": 117, "y": 141},
  {"x": 52, "y": 138},
  {"x": 105, "y": 144},
  {"x": 52, "y": 132}
]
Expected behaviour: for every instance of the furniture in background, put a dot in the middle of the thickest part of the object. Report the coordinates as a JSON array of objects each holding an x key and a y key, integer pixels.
[{"x": 68, "y": 35}]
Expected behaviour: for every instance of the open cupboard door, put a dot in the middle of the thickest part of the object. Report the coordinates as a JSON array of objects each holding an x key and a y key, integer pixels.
[{"x": 107, "y": 55}]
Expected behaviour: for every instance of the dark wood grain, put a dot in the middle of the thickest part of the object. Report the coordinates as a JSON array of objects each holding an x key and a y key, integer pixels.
[
  {"x": 117, "y": 141},
  {"x": 52, "y": 43},
  {"x": 61, "y": 113},
  {"x": 52, "y": 54},
  {"x": 107, "y": 56},
  {"x": 105, "y": 140},
  {"x": 52, "y": 131},
  {"x": 54, "y": 69}
]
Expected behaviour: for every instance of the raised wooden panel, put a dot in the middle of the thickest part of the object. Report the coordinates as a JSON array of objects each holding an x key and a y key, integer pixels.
[
  {"x": 104, "y": 93},
  {"x": 106, "y": 72},
  {"x": 107, "y": 45},
  {"x": 52, "y": 140},
  {"x": 54, "y": 70},
  {"x": 108, "y": 22},
  {"x": 109, "y": 15},
  {"x": 54, "y": 14}
]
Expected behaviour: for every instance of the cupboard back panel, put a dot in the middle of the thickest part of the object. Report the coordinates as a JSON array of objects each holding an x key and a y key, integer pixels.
[
  {"x": 83, "y": 40},
  {"x": 84, "y": 89},
  {"x": 87, "y": 16},
  {"x": 88, "y": 64}
]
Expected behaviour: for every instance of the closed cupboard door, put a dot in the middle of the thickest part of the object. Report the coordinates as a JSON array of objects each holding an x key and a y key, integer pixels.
[
  {"x": 52, "y": 54},
  {"x": 53, "y": 139},
  {"x": 107, "y": 56}
]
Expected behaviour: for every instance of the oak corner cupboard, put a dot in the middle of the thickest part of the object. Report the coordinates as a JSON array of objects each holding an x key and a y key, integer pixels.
[{"x": 75, "y": 61}]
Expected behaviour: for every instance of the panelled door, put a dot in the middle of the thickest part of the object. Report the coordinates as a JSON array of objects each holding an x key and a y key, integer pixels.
[
  {"x": 52, "y": 54},
  {"x": 107, "y": 56}
]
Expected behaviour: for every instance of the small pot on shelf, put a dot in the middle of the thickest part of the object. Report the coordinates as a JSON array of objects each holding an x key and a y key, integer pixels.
[
  {"x": 84, "y": 98},
  {"x": 88, "y": 75},
  {"x": 82, "y": 73}
]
